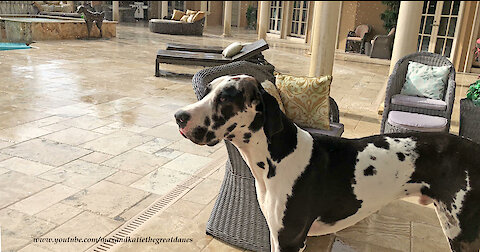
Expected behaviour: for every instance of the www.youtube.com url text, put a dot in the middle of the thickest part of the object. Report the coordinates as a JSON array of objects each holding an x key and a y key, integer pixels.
[{"x": 75, "y": 239}]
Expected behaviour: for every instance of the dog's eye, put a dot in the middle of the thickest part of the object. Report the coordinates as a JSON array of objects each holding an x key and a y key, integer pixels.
[{"x": 222, "y": 99}]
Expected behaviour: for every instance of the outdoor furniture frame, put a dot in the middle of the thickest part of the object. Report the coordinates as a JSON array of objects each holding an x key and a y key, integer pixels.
[
  {"x": 250, "y": 52},
  {"x": 469, "y": 120},
  {"x": 357, "y": 36},
  {"x": 382, "y": 46},
  {"x": 194, "y": 48},
  {"x": 236, "y": 217},
  {"x": 174, "y": 27},
  {"x": 397, "y": 79}
]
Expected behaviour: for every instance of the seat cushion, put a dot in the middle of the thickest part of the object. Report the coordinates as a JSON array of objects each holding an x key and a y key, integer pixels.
[
  {"x": 306, "y": 99},
  {"x": 425, "y": 81},
  {"x": 417, "y": 122},
  {"x": 354, "y": 38},
  {"x": 419, "y": 102},
  {"x": 232, "y": 49}
]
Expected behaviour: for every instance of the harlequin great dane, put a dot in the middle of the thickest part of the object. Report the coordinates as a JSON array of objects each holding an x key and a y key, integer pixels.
[{"x": 320, "y": 185}]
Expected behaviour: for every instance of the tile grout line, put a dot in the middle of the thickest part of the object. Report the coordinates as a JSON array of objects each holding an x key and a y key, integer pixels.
[{"x": 157, "y": 207}]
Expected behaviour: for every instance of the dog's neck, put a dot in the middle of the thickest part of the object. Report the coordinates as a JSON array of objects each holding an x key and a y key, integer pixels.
[{"x": 260, "y": 152}]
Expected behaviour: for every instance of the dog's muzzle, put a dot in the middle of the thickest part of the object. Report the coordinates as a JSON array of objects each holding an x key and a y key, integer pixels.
[{"x": 182, "y": 117}]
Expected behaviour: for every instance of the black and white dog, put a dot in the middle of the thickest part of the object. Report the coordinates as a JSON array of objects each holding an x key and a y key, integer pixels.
[{"x": 320, "y": 185}]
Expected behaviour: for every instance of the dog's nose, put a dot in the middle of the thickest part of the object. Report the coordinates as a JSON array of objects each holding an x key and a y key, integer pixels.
[{"x": 182, "y": 118}]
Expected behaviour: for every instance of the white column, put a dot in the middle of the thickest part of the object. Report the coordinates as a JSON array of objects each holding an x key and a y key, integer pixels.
[
  {"x": 264, "y": 17},
  {"x": 115, "y": 11},
  {"x": 285, "y": 19},
  {"x": 323, "y": 39},
  {"x": 203, "y": 7},
  {"x": 406, "y": 32},
  {"x": 164, "y": 9},
  {"x": 227, "y": 19}
]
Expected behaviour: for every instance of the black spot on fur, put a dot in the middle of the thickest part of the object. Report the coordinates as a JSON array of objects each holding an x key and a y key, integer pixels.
[
  {"x": 218, "y": 121},
  {"x": 199, "y": 132},
  {"x": 370, "y": 171},
  {"x": 261, "y": 165},
  {"x": 257, "y": 122},
  {"x": 396, "y": 140},
  {"x": 213, "y": 143},
  {"x": 400, "y": 156},
  {"x": 207, "y": 121},
  {"x": 284, "y": 142},
  {"x": 243, "y": 126},
  {"x": 230, "y": 137},
  {"x": 247, "y": 135},
  {"x": 271, "y": 169},
  {"x": 232, "y": 127},
  {"x": 373, "y": 158},
  {"x": 381, "y": 143},
  {"x": 227, "y": 111},
  {"x": 246, "y": 140},
  {"x": 210, "y": 136}
]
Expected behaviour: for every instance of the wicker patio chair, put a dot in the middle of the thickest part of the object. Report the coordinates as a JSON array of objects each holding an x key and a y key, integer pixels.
[
  {"x": 236, "y": 217},
  {"x": 394, "y": 101},
  {"x": 381, "y": 46},
  {"x": 357, "y": 37}
]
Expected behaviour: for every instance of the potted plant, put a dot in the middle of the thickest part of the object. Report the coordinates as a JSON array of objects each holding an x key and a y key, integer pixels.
[
  {"x": 251, "y": 15},
  {"x": 470, "y": 113}
]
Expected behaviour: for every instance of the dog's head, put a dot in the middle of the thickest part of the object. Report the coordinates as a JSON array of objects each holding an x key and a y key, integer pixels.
[{"x": 234, "y": 108}]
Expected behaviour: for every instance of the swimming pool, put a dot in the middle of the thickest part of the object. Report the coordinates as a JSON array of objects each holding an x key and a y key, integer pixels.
[{"x": 28, "y": 28}]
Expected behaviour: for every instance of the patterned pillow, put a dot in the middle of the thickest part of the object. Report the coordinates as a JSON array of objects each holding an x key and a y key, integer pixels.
[
  {"x": 425, "y": 81},
  {"x": 177, "y": 15},
  {"x": 271, "y": 89},
  {"x": 306, "y": 99}
]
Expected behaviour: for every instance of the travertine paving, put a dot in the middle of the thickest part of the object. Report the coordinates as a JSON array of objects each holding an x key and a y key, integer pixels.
[{"x": 87, "y": 141}]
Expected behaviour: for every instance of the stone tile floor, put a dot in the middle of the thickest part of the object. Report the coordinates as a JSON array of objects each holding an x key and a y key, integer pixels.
[{"x": 87, "y": 141}]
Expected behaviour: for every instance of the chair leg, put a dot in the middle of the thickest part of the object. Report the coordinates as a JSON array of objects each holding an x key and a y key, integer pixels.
[{"x": 157, "y": 68}]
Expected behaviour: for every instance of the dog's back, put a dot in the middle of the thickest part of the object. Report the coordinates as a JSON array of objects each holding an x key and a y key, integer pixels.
[{"x": 438, "y": 167}]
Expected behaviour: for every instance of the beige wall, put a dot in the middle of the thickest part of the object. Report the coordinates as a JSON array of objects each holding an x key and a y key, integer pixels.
[
  {"x": 347, "y": 22},
  {"x": 355, "y": 13}
]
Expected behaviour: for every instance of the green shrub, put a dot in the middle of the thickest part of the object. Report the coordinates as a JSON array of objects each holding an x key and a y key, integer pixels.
[
  {"x": 390, "y": 15},
  {"x": 251, "y": 17},
  {"x": 474, "y": 93}
]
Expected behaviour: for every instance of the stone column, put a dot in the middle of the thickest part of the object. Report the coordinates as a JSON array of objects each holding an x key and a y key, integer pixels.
[
  {"x": 164, "y": 9},
  {"x": 406, "y": 33},
  {"x": 203, "y": 7},
  {"x": 406, "y": 39},
  {"x": 115, "y": 11},
  {"x": 285, "y": 19},
  {"x": 323, "y": 39},
  {"x": 227, "y": 19},
  {"x": 263, "y": 21}
]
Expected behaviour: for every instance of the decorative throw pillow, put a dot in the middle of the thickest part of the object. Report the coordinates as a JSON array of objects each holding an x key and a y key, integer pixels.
[
  {"x": 232, "y": 50},
  {"x": 191, "y": 12},
  {"x": 190, "y": 18},
  {"x": 177, "y": 15},
  {"x": 306, "y": 99},
  {"x": 198, "y": 16},
  {"x": 425, "y": 81},
  {"x": 273, "y": 91},
  {"x": 184, "y": 18}
]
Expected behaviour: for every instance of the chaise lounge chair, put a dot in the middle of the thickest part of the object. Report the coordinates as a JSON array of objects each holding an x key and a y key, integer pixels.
[
  {"x": 250, "y": 52},
  {"x": 194, "y": 48}
]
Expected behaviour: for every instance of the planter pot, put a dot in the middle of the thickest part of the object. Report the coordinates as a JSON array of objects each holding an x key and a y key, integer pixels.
[{"x": 469, "y": 120}]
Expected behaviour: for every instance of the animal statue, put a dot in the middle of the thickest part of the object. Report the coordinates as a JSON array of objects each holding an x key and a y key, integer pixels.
[{"x": 90, "y": 17}]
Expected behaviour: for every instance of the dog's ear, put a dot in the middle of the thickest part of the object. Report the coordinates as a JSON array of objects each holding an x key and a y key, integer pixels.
[{"x": 272, "y": 115}]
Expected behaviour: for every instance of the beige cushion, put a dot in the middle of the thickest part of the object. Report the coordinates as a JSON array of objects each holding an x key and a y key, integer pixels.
[
  {"x": 306, "y": 99},
  {"x": 273, "y": 91},
  {"x": 191, "y": 12},
  {"x": 184, "y": 18},
  {"x": 190, "y": 18},
  {"x": 232, "y": 50},
  {"x": 198, "y": 16},
  {"x": 354, "y": 38},
  {"x": 177, "y": 15}
]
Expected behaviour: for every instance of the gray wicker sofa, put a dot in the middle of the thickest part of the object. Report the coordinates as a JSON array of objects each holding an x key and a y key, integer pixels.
[
  {"x": 236, "y": 217},
  {"x": 173, "y": 27}
]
